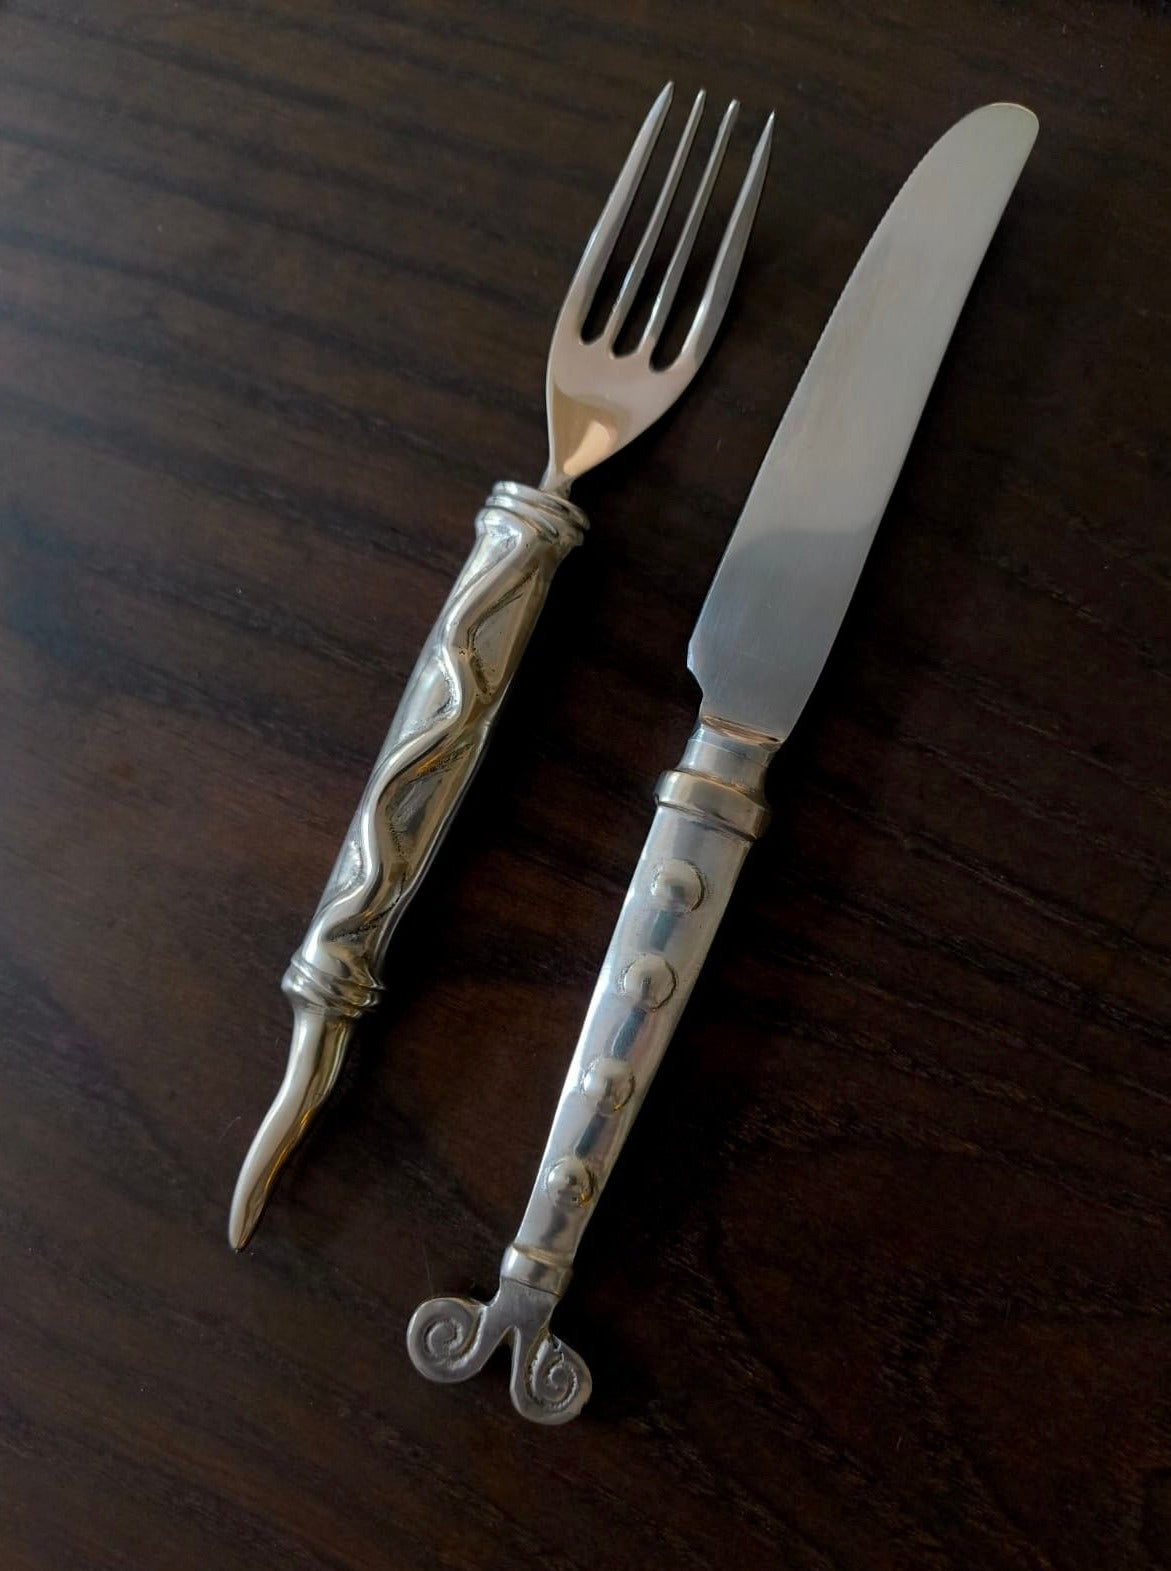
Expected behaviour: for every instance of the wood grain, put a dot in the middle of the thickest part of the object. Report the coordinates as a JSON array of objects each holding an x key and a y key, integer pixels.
[{"x": 882, "y": 1283}]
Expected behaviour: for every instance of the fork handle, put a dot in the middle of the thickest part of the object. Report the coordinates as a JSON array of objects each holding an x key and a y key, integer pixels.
[
  {"x": 435, "y": 743},
  {"x": 710, "y": 810},
  {"x": 434, "y": 746}
]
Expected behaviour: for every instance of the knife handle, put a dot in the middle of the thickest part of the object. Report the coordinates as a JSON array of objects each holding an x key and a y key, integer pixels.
[
  {"x": 435, "y": 743},
  {"x": 709, "y": 812}
]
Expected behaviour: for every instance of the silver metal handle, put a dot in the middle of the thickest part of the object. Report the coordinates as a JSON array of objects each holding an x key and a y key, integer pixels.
[
  {"x": 710, "y": 810},
  {"x": 426, "y": 764}
]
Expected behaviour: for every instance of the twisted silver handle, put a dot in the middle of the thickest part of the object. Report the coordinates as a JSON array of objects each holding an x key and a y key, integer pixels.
[
  {"x": 431, "y": 752},
  {"x": 710, "y": 810}
]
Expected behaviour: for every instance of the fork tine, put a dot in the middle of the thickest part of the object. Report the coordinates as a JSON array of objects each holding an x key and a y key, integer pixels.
[
  {"x": 601, "y": 242},
  {"x": 654, "y": 228},
  {"x": 722, "y": 277},
  {"x": 670, "y": 285}
]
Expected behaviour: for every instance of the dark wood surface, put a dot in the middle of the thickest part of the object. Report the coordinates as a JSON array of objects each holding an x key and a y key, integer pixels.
[{"x": 883, "y": 1279}]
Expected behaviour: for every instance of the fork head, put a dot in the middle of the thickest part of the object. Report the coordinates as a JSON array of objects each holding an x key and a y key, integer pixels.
[{"x": 598, "y": 400}]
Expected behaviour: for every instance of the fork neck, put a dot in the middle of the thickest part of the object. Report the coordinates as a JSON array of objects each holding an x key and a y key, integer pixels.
[{"x": 554, "y": 483}]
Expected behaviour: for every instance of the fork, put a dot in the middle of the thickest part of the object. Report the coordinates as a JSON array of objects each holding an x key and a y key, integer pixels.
[{"x": 597, "y": 401}]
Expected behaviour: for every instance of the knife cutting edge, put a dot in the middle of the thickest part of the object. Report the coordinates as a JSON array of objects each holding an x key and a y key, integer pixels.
[{"x": 770, "y": 618}]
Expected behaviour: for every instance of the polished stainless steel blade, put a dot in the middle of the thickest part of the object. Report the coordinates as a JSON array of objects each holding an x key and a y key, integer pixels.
[{"x": 778, "y": 598}]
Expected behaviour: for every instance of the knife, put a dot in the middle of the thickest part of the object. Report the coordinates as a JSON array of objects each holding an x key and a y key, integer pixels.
[{"x": 770, "y": 617}]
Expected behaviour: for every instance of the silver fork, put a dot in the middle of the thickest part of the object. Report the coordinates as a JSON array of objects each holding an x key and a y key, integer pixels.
[{"x": 597, "y": 401}]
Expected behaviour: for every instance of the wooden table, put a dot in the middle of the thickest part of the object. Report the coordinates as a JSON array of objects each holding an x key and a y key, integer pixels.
[{"x": 883, "y": 1280}]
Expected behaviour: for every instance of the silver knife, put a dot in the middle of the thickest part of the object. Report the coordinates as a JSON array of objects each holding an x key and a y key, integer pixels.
[{"x": 766, "y": 628}]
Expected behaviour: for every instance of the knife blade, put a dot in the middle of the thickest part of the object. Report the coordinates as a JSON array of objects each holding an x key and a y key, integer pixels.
[
  {"x": 790, "y": 568},
  {"x": 770, "y": 617}
]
